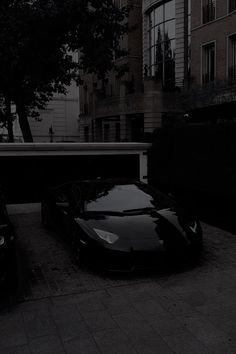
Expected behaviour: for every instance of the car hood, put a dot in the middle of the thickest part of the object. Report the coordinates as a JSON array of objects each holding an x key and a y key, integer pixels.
[{"x": 147, "y": 230}]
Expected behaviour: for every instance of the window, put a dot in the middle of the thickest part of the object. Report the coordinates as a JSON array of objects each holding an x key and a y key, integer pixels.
[
  {"x": 208, "y": 63},
  {"x": 232, "y": 5},
  {"x": 232, "y": 58},
  {"x": 208, "y": 10},
  {"x": 161, "y": 49}
]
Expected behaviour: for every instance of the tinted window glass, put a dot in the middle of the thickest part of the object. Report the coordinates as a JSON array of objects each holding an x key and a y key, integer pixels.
[{"x": 123, "y": 197}]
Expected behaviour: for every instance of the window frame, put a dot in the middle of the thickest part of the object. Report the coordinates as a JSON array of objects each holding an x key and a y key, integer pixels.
[
  {"x": 202, "y": 52},
  {"x": 228, "y": 59},
  {"x": 230, "y": 11},
  {"x": 86, "y": 133},
  {"x": 152, "y": 45},
  {"x": 202, "y": 22}
]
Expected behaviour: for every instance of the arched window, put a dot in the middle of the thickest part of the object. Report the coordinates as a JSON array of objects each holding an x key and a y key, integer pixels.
[{"x": 161, "y": 43}]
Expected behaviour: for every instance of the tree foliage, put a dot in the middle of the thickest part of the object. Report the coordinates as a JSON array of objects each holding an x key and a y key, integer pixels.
[{"x": 36, "y": 39}]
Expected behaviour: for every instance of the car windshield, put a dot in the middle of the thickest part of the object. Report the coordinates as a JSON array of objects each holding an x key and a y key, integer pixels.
[{"x": 123, "y": 198}]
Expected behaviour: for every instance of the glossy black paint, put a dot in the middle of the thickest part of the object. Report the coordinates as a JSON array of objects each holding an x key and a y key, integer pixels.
[
  {"x": 122, "y": 224},
  {"x": 7, "y": 247}
]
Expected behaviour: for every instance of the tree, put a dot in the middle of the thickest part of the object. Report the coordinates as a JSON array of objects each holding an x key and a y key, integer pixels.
[{"x": 36, "y": 39}]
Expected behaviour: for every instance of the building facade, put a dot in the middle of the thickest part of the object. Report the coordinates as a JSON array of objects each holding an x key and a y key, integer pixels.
[
  {"x": 59, "y": 121},
  {"x": 147, "y": 96},
  {"x": 213, "y": 55},
  {"x": 112, "y": 109},
  {"x": 166, "y": 59}
]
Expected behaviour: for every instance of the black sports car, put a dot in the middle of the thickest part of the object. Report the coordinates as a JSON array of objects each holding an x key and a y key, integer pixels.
[
  {"x": 7, "y": 247},
  {"x": 121, "y": 224}
]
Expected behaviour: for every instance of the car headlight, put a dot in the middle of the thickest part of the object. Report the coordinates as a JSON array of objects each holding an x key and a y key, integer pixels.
[
  {"x": 2, "y": 240},
  {"x": 109, "y": 237}
]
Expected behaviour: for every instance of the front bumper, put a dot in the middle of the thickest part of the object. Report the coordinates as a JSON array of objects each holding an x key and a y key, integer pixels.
[{"x": 129, "y": 261}]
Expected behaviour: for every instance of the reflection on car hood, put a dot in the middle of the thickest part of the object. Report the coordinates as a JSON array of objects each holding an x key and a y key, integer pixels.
[{"x": 139, "y": 230}]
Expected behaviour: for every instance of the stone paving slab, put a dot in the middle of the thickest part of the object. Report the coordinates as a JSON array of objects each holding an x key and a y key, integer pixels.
[{"x": 65, "y": 309}]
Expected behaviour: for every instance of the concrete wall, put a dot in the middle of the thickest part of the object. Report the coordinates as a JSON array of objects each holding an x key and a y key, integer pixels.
[{"x": 27, "y": 169}]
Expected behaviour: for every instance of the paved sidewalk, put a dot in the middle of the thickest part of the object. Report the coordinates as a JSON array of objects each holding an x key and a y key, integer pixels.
[{"x": 65, "y": 309}]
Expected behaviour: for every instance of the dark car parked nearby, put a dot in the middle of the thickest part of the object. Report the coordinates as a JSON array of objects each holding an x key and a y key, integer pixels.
[
  {"x": 124, "y": 225},
  {"x": 7, "y": 247}
]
